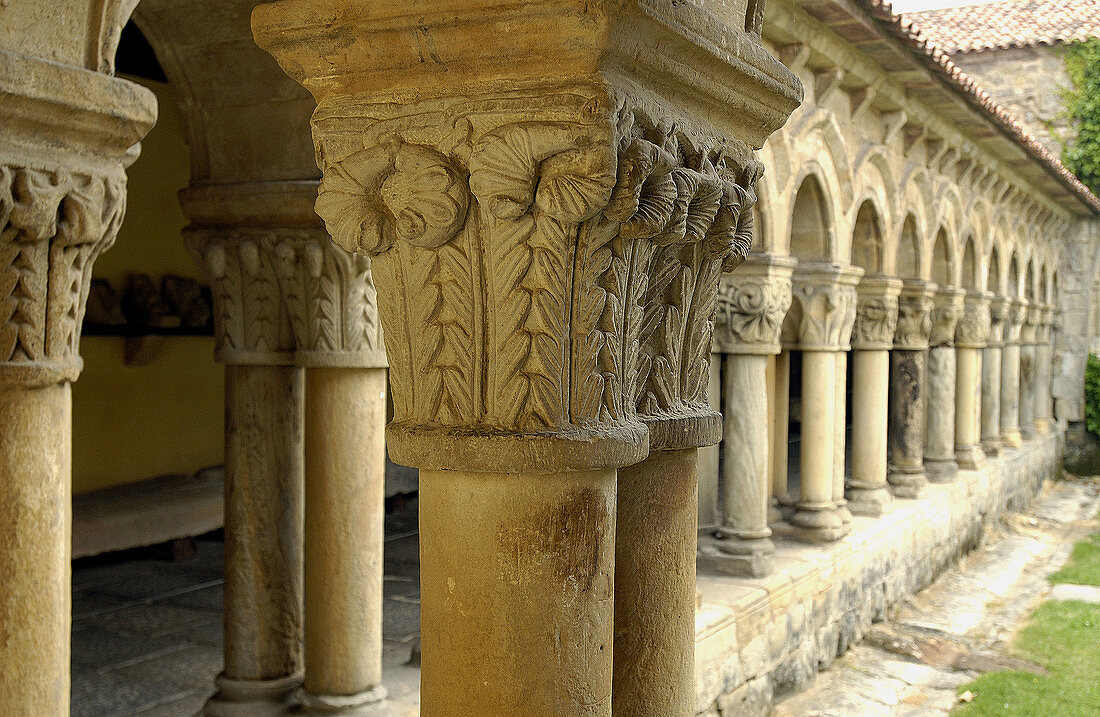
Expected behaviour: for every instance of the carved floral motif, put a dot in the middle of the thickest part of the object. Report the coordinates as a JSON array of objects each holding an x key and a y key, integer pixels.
[
  {"x": 973, "y": 327},
  {"x": 914, "y": 316},
  {"x": 826, "y": 308},
  {"x": 947, "y": 308},
  {"x": 751, "y": 311},
  {"x": 53, "y": 225},
  {"x": 876, "y": 314}
]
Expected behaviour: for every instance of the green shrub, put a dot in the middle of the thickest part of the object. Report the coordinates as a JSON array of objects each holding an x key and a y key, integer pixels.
[
  {"x": 1082, "y": 105},
  {"x": 1092, "y": 394}
]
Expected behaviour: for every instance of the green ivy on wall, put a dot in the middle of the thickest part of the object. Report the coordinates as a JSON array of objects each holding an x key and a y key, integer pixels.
[
  {"x": 1092, "y": 394},
  {"x": 1082, "y": 105}
]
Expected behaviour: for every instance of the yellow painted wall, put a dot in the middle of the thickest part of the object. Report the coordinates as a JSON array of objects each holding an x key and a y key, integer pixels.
[{"x": 134, "y": 423}]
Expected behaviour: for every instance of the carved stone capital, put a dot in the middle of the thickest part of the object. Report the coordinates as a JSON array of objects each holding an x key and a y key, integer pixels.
[
  {"x": 915, "y": 304},
  {"x": 752, "y": 303},
  {"x": 1014, "y": 322},
  {"x": 946, "y": 310},
  {"x": 876, "y": 313},
  {"x": 824, "y": 308},
  {"x": 68, "y": 136},
  {"x": 1046, "y": 325},
  {"x": 1029, "y": 332},
  {"x": 999, "y": 308},
  {"x": 972, "y": 330}
]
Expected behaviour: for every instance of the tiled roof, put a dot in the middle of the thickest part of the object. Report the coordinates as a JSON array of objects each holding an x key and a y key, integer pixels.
[
  {"x": 1016, "y": 23},
  {"x": 937, "y": 60}
]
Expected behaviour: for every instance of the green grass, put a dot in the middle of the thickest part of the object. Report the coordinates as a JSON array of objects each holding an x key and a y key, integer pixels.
[
  {"x": 1083, "y": 567},
  {"x": 1063, "y": 637}
]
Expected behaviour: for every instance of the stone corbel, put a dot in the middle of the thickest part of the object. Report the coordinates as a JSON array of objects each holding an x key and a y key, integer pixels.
[
  {"x": 973, "y": 328},
  {"x": 946, "y": 312},
  {"x": 915, "y": 304},
  {"x": 752, "y": 304},
  {"x": 824, "y": 305},
  {"x": 876, "y": 313}
]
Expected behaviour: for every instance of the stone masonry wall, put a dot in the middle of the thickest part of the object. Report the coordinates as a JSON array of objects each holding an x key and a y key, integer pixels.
[
  {"x": 1028, "y": 82},
  {"x": 758, "y": 640},
  {"x": 1077, "y": 270}
]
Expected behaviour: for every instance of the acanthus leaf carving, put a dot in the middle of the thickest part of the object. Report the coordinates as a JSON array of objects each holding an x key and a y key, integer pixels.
[
  {"x": 876, "y": 313},
  {"x": 975, "y": 322},
  {"x": 915, "y": 304},
  {"x": 825, "y": 295}
]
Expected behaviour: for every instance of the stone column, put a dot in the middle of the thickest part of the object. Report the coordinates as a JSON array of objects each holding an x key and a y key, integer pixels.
[
  {"x": 68, "y": 134},
  {"x": 872, "y": 338},
  {"x": 906, "y": 426},
  {"x": 1010, "y": 374},
  {"x": 751, "y": 305},
  {"x": 825, "y": 302},
  {"x": 1044, "y": 409},
  {"x": 264, "y": 396},
  {"x": 991, "y": 376},
  {"x": 330, "y": 299},
  {"x": 779, "y": 406},
  {"x": 547, "y": 253},
  {"x": 971, "y": 333},
  {"x": 1029, "y": 337},
  {"x": 939, "y": 440}
]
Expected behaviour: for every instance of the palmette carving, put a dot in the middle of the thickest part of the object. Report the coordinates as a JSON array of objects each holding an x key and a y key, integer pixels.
[
  {"x": 53, "y": 225},
  {"x": 570, "y": 281},
  {"x": 876, "y": 318}
]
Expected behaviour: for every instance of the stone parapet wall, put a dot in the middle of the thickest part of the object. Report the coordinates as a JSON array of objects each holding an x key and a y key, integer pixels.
[{"x": 760, "y": 639}]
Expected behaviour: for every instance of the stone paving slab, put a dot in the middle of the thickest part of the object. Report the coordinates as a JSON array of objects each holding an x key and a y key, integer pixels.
[
  {"x": 961, "y": 624},
  {"x": 1080, "y": 593}
]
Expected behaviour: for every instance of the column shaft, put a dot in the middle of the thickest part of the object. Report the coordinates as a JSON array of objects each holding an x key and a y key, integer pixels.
[
  {"x": 263, "y": 540},
  {"x": 1010, "y": 396},
  {"x": 780, "y": 423},
  {"x": 867, "y": 492},
  {"x": 654, "y": 645},
  {"x": 816, "y": 515},
  {"x": 991, "y": 400},
  {"x": 345, "y": 471},
  {"x": 35, "y": 531},
  {"x": 709, "y": 497},
  {"x": 517, "y": 582},
  {"x": 968, "y": 407},
  {"x": 907, "y": 425},
  {"x": 840, "y": 430},
  {"x": 1027, "y": 391},
  {"x": 939, "y": 451}
]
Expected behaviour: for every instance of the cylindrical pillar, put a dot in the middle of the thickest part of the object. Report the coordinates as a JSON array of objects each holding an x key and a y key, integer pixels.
[
  {"x": 816, "y": 511},
  {"x": 517, "y": 593},
  {"x": 1010, "y": 375},
  {"x": 36, "y": 540},
  {"x": 971, "y": 334},
  {"x": 1044, "y": 410},
  {"x": 263, "y": 541},
  {"x": 710, "y": 511},
  {"x": 780, "y": 402},
  {"x": 939, "y": 441},
  {"x": 991, "y": 376},
  {"x": 345, "y": 471},
  {"x": 872, "y": 337},
  {"x": 905, "y": 435},
  {"x": 1028, "y": 393},
  {"x": 654, "y": 671},
  {"x": 840, "y": 436}
]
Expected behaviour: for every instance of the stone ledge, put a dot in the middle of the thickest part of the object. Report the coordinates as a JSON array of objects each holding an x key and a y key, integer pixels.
[{"x": 758, "y": 639}]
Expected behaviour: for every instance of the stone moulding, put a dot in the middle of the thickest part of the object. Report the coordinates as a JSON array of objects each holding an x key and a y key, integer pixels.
[
  {"x": 876, "y": 313},
  {"x": 751, "y": 305}
]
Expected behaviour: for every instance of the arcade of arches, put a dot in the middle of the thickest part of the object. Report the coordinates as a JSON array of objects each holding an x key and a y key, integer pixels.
[{"x": 785, "y": 255}]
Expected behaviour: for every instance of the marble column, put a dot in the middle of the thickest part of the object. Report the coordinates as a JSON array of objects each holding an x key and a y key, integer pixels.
[
  {"x": 905, "y": 442},
  {"x": 1029, "y": 336},
  {"x": 825, "y": 302},
  {"x": 1010, "y": 374},
  {"x": 872, "y": 338},
  {"x": 751, "y": 305},
  {"x": 264, "y": 468},
  {"x": 971, "y": 334},
  {"x": 330, "y": 300},
  {"x": 68, "y": 135},
  {"x": 1044, "y": 409},
  {"x": 939, "y": 440},
  {"x": 513, "y": 208},
  {"x": 991, "y": 375}
]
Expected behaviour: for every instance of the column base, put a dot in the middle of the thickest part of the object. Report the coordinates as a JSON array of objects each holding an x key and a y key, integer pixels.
[
  {"x": 252, "y": 698},
  {"x": 1011, "y": 439},
  {"x": 970, "y": 457},
  {"x": 1029, "y": 433},
  {"x": 369, "y": 703},
  {"x": 991, "y": 447},
  {"x": 1043, "y": 425},
  {"x": 907, "y": 485},
  {"x": 737, "y": 557},
  {"x": 871, "y": 502},
  {"x": 775, "y": 512},
  {"x": 843, "y": 512},
  {"x": 941, "y": 470},
  {"x": 817, "y": 523}
]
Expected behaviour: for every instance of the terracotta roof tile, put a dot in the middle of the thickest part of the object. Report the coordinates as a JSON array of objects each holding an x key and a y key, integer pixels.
[
  {"x": 938, "y": 61},
  {"x": 1017, "y": 23}
]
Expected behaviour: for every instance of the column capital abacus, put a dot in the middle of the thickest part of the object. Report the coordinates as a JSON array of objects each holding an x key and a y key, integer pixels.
[
  {"x": 947, "y": 308},
  {"x": 68, "y": 136},
  {"x": 876, "y": 313},
  {"x": 752, "y": 303},
  {"x": 1014, "y": 323},
  {"x": 974, "y": 325},
  {"x": 824, "y": 308},
  {"x": 999, "y": 308},
  {"x": 915, "y": 304}
]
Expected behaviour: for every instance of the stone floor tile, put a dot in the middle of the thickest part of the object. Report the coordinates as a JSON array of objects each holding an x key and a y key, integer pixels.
[
  {"x": 186, "y": 706},
  {"x": 204, "y": 596},
  {"x": 105, "y": 695},
  {"x": 96, "y": 648},
  {"x": 192, "y": 668},
  {"x": 150, "y": 619}
]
